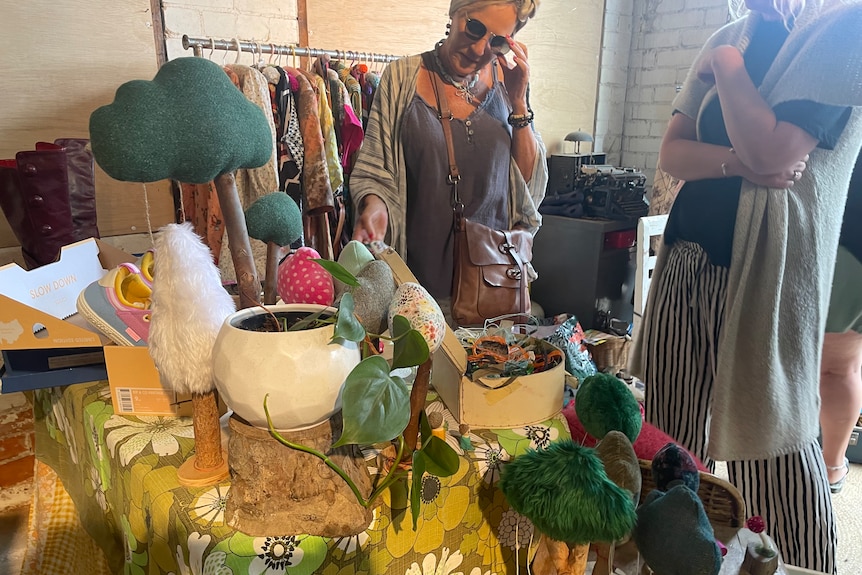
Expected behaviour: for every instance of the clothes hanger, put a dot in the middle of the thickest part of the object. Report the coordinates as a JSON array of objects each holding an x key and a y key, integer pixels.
[
  {"x": 212, "y": 48},
  {"x": 238, "y": 50}
]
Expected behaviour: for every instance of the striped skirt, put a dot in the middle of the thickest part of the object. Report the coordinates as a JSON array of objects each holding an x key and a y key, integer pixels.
[{"x": 790, "y": 492}]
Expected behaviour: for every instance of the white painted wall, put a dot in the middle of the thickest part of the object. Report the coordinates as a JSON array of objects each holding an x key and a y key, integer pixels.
[{"x": 663, "y": 39}]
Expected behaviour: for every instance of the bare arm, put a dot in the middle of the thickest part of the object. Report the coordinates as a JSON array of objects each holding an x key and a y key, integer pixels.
[
  {"x": 516, "y": 80},
  {"x": 683, "y": 157},
  {"x": 763, "y": 144}
]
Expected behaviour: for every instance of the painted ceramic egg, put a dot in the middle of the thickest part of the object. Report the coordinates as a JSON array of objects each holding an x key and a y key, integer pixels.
[
  {"x": 413, "y": 301},
  {"x": 301, "y": 280}
]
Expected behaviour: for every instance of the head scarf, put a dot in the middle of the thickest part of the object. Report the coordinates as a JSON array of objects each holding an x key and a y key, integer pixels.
[{"x": 526, "y": 8}]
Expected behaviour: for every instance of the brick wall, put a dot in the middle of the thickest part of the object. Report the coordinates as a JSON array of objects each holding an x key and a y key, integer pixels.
[
  {"x": 648, "y": 48},
  {"x": 251, "y": 20},
  {"x": 16, "y": 439}
]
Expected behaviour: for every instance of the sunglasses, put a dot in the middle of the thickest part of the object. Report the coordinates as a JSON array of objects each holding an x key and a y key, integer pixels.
[{"x": 475, "y": 30}]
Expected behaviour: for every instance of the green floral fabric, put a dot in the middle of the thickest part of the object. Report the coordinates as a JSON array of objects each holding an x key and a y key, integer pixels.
[{"x": 121, "y": 472}]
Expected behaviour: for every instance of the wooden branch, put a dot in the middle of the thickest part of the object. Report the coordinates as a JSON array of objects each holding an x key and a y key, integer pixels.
[
  {"x": 240, "y": 246},
  {"x": 270, "y": 280},
  {"x": 417, "y": 403}
]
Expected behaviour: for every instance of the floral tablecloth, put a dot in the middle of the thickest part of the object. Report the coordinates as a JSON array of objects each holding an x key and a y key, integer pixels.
[{"x": 121, "y": 474}]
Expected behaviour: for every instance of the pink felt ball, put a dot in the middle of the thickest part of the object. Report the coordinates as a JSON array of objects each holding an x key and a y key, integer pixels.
[{"x": 301, "y": 280}]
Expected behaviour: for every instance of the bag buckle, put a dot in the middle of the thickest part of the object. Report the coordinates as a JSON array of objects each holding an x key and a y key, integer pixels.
[
  {"x": 505, "y": 247},
  {"x": 513, "y": 273}
]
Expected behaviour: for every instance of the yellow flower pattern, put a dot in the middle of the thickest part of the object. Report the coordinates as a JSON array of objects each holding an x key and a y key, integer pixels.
[{"x": 155, "y": 526}]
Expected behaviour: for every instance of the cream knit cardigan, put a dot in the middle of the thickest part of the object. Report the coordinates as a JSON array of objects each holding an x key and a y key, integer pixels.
[
  {"x": 380, "y": 167},
  {"x": 766, "y": 392}
]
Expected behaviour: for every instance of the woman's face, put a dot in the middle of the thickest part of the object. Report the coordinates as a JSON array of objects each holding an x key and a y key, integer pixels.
[{"x": 466, "y": 51}]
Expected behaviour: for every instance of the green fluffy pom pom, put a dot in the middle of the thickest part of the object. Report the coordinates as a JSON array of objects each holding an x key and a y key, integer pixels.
[
  {"x": 604, "y": 403},
  {"x": 565, "y": 492},
  {"x": 274, "y": 218},
  {"x": 189, "y": 123}
]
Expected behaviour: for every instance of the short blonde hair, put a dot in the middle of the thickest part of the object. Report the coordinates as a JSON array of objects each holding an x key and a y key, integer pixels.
[{"x": 526, "y": 8}]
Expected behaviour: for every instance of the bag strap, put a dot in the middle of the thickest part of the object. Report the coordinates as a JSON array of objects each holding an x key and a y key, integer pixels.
[
  {"x": 444, "y": 114},
  {"x": 517, "y": 272}
]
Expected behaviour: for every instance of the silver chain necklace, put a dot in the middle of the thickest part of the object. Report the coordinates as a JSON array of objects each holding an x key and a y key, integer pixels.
[{"x": 464, "y": 88}]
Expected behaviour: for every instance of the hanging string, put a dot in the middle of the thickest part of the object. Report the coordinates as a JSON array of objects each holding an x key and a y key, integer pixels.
[{"x": 147, "y": 211}]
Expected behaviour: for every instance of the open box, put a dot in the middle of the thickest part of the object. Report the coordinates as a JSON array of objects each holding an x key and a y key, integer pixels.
[
  {"x": 490, "y": 404},
  {"x": 45, "y": 343}
]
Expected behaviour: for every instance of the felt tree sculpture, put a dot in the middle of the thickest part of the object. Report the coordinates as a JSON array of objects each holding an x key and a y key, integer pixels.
[
  {"x": 189, "y": 123},
  {"x": 566, "y": 493},
  {"x": 673, "y": 532},
  {"x": 604, "y": 403},
  {"x": 275, "y": 220},
  {"x": 189, "y": 306}
]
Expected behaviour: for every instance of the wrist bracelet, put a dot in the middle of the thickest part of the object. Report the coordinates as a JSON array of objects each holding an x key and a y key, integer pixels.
[
  {"x": 724, "y": 164},
  {"x": 521, "y": 120}
]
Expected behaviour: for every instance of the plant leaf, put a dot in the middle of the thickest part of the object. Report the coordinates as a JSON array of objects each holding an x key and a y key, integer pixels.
[
  {"x": 424, "y": 428},
  {"x": 416, "y": 489},
  {"x": 410, "y": 347},
  {"x": 337, "y": 271},
  {"x": 440, "y": 459},
  {"x": 375, "y": 405},
  {"x": 346, "y": 325}
]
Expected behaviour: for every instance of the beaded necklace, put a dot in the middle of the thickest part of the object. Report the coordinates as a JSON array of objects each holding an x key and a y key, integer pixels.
[{"x": 464, "y": 89}]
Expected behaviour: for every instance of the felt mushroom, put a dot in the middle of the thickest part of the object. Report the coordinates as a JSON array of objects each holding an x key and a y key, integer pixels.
[
  {"x": 275, "y": 220},
  {"x": 189, "y": 123},
  {"x": 566, "y": 493}
]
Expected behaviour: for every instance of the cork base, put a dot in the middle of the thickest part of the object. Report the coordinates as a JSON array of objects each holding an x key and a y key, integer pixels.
[
  {"x": 189, "y": 475},
  {"x": 277, "y": 489},
  {"x": 757, "y": 564}
]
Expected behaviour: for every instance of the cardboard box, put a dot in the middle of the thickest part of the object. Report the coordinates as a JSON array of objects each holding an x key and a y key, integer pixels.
[
  {"x": 45, "y": 343},
  {"x": 487, "y": 403}
]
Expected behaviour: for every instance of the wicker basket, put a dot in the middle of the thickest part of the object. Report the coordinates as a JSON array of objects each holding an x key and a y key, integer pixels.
[
  {"x": 611, "y": 354},
  {"x": 721, "y": 501}
]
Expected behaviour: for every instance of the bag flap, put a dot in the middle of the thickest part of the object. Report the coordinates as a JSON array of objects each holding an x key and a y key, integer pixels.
[{"x": 484, "y": 244}]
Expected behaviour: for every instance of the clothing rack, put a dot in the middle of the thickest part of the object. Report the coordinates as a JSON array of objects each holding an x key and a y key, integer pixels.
[{"x": 199, "y": 44}]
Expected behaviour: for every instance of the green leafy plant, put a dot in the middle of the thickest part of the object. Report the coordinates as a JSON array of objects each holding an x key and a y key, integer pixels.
[{"x": 375, "y": 403}]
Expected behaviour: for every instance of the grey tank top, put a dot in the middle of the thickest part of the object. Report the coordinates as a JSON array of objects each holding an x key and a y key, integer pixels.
[{"x": 482, "y": 144}]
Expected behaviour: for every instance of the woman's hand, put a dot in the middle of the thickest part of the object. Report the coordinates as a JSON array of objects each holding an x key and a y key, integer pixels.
[
  {"x": 373, "y": 220},
  {"x": 517, "y": 78},
  {"x": 782, "y": 180},
  {"x": 719, "y": 56}
]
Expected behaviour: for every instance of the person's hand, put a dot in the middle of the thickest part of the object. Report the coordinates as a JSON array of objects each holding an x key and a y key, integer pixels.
[
  {"x": 724, "y": 54},
  {"x": 373, "y": 220},
  {"x": 782, "y": 180},
  {"x": 517, "y": 78}
]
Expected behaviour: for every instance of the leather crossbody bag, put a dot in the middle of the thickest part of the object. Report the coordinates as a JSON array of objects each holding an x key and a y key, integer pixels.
[{"x": 490, "y": 275}]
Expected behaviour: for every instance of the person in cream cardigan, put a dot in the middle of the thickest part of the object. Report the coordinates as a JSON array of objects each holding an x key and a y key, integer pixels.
[{"x": 765, "y": 133}]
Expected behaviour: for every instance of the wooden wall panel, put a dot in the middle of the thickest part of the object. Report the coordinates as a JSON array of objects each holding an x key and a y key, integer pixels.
[{"x": 61, "y": 59}]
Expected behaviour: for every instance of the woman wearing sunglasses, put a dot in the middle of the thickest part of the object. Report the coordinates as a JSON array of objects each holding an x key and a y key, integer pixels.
[{"x": 399, "y": 184}]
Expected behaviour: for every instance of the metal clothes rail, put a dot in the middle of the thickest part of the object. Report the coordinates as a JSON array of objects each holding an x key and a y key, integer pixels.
[{"x": 199, "y": 44}]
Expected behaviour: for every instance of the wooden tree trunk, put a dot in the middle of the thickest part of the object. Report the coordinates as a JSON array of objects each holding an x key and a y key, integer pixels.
[
  {"x": 208, "y": 453},
  {"x": 240, "y": 246},
  {"x": 417, "y": 403}
]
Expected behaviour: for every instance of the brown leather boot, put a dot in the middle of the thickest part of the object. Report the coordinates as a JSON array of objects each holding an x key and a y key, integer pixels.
[
  {"x": 81, "y": 171},
  {"x": 34, "y": 195}
]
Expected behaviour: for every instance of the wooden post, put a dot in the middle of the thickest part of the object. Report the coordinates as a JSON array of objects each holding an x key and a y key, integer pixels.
[
  {"x": 240, "y": 246},
  {"x": 270, "y": 279},
  {"x": 417, "y": 403},
  {"x": 208, "y": 465}
]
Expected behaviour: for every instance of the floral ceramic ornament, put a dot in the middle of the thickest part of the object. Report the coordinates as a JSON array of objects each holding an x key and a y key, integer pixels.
[
  {"x": 301, "y": 280},
  {"x": 413, "y": 301}
]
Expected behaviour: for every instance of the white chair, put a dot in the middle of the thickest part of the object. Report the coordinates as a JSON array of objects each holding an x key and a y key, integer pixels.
[{"x": 648, "y": 227}]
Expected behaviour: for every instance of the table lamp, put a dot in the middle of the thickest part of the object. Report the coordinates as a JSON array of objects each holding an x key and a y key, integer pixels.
[{"x": 577, "y": 138}]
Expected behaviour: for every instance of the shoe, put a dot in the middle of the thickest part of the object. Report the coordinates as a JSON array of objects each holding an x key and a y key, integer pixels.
[
  {"x": 839, "y": 485},
  {"x": 118, "y": 305},
  {"x": 146, "y": 263}
]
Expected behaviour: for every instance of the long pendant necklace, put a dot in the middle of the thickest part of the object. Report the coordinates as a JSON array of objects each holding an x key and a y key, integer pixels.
[{"x": 464, "y": 88}]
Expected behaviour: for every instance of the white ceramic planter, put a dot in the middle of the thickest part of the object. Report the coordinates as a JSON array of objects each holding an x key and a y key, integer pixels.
[{"x": 300, "y": 370}]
